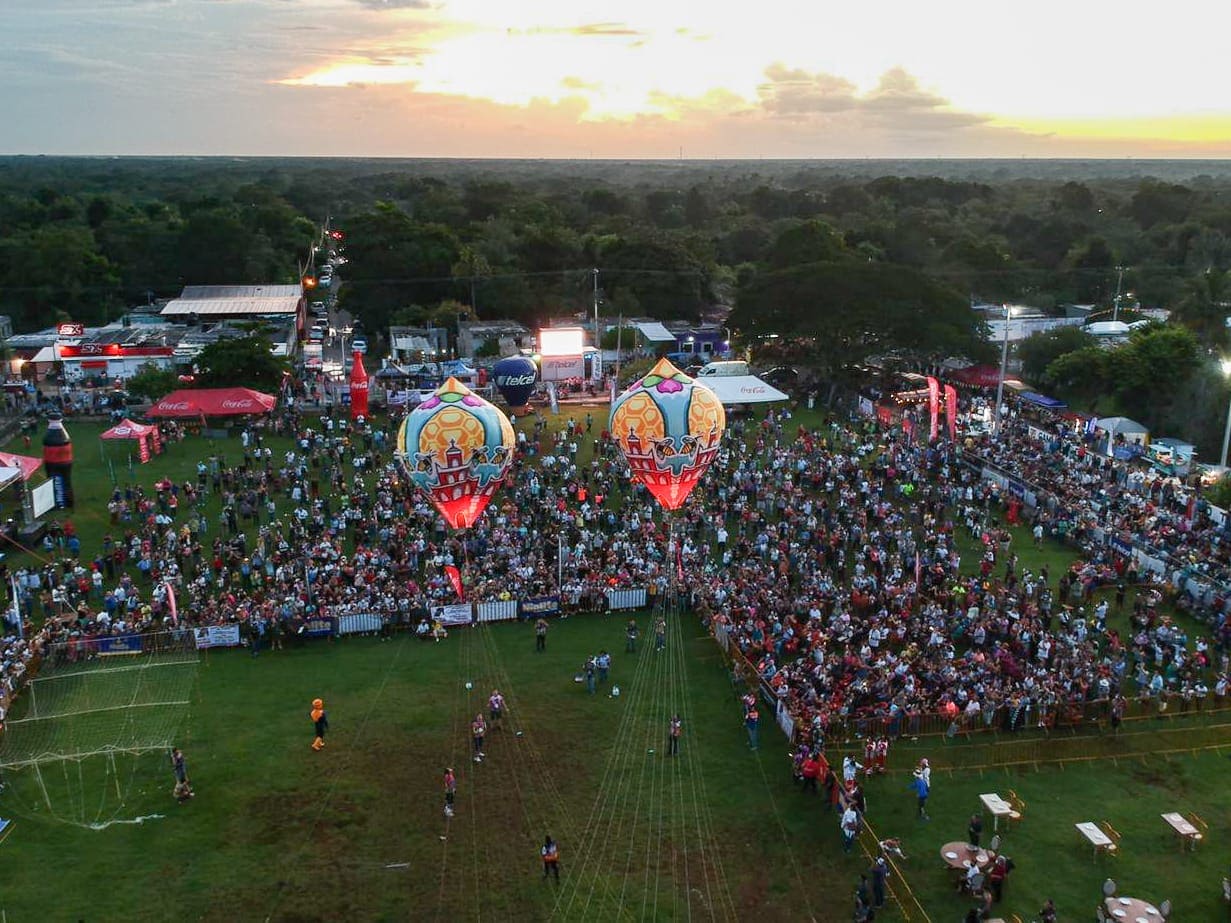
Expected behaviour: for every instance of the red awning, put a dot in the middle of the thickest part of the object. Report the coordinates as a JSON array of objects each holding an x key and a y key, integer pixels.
[
  {"x": 127, "y": 429},
  {"x": 27, "y": 463},
  {"x": 213, "y": 402},
  {"x": 978, "y": 376}
]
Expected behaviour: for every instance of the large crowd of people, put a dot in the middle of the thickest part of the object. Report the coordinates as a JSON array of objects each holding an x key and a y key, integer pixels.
[{"x": 832, "y": 559}]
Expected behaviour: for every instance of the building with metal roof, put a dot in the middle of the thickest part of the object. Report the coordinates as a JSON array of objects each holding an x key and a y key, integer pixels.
[{"x": 238, "y": 302}]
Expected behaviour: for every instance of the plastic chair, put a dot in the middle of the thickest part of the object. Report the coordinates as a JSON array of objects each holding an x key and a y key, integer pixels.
[
  {"x": 1113, "y": 848},
  {"x": 1165, "y": 908},
  {"x": 1109, "y": 888},
  {"x": 995, "y": 844}
]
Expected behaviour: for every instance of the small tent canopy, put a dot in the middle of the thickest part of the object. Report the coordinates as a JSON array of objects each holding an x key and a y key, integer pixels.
[
  {"x": 654, "y": 332},
  {"x": 742, "y": 389},
  {"x": 1043, "y": 400},
  {"x": 1121, "y": 426},
  {"x": 148, "y": 440},
  {"x": 10, "y": 475},
  {"x": 27, "y": 463}
]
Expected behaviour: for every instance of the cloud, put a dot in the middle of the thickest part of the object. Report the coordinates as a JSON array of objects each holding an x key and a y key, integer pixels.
[
  {"x": 395, "y": 4},
  {"x": 897, "y": 102},
  {"x": 586, "y": 30}
]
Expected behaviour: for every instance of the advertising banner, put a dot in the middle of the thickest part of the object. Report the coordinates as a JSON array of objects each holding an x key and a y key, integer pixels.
[
  {"x": 561, "y": 368},
  {"x": 540, "y": 607},
  {"x": 456, "y": 614},
  {"x": 217, "y": 636},
  {"x": 319, "y": 626},
  {"x": 123, "y": 644}
]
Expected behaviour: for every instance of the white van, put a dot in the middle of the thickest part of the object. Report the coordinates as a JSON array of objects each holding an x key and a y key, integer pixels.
[{"x": 732, "y": 367}]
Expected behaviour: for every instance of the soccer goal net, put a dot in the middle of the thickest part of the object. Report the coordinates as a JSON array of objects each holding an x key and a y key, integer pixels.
[{"x": 96, "y": 711}]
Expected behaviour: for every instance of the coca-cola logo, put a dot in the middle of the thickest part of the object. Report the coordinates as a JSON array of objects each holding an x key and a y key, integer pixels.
[
  {"x": 359, "y": 386},
  {"x": 236, "y": 405},
  {"x": 514, "y": 381},
  {"x": 174, "y": 405},
  {"x": 753, "y": 390}
]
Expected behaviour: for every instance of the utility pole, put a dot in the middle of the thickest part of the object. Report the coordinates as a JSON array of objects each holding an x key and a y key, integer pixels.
[
  {"x": 1115, "y": 310},
  {"x": 596, "y": 339},
  {"x": 1004, "y": 362}
]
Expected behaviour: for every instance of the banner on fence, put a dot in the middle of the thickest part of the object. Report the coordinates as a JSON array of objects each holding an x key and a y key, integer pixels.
[
  {"x": 319, "y": 626},
  {"x": 1121, "y": 546},
  {"x": 537, "y": 607},
  {"x": 785, "y": 721},
  {"x": 359, "y": 622},
  {"x": 496, "y": 611},
  {"x": 866, "y": 409},
  {"x": 626, "y": 599},
  {"x": 455, "y": 614},
  {"x": 217, "y": 636},
  {"x": 122, "y": 644}
]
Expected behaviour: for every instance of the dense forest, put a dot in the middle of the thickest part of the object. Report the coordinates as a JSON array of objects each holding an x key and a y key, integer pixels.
[{"x": 880, "y": 256}]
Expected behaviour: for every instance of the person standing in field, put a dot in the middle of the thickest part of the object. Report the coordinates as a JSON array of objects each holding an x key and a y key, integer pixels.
[
  {"x": 551, "y": 858},
  {"x": 752, "y": 722},
  {"x": 540, "y": 636},
  {"x": 320, "y": 723},
  {"x": 478, "y": 730},
  {"x": 660, "y": 634},
  {"x": 495, "y": 708},
  {"x": 450, "y": 781},
  {"x": 183, "y": 788},
  {"x": 675, "y": 730},
  {"x": 630, "y": 636}
]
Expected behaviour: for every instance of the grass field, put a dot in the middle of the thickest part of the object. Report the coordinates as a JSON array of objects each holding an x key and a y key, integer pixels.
[{"x": 355, "y": 832}]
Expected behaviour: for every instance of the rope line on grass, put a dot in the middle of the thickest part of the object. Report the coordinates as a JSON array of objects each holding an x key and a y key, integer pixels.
[
  {"x": 620, "y": 743},
  {"x": 454, "y": 740},
  {"x": 679, "y": 837},
  {"x": 710, "y": 855},
  {"x": 628, "y": 799},
  {"x": 293, "y": 858}
]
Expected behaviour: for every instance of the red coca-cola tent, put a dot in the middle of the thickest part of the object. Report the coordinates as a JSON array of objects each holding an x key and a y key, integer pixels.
[
  {"x": 27, "y": 463},
  {"x": 213, "y": 402},
  {"x": 148, "y": 442},
  {"x": 978, "y": 376}
]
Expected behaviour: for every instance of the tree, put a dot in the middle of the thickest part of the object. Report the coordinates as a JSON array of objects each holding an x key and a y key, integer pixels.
[
  {"x": 246, "y": 362},
  {"x": 620, "y": 338},
  {"x": 845, "y": 313},
  {"x": 1039, "y": 351},
  {"x": 1205, "y": 305},
  {"x": 812, "y": 241},
  {"x": 152, "y": 382}
]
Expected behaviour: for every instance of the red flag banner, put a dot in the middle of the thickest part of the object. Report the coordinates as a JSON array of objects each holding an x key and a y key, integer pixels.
[
  {"x": 455, "y": 578},
  {"x": 933, "y": 408},
  {"x": 175, "y": 615},
  {"x": 951, "y": 411}
]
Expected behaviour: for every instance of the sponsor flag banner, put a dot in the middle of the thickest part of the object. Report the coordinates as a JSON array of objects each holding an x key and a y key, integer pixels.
[
  {"x": 122, "y": 644},
  {"x": 217, "y": 636},
  {"x": 540, "y": 606},
  {"x": 455, "y": 578},
  {"x": 319, "y": 626},
  {"x": 951, "y": 411},
  {"x": 933, "y": 409}
]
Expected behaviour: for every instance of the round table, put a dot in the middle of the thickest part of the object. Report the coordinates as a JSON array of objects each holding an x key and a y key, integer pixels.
[
  {"x": 959, "y": 855},
  {"x": 1132, "y": 910}
]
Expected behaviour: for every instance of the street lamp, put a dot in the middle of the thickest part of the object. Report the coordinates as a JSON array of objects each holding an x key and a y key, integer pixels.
[
  {"x": 1004, "y": 362},
  {"x": 1226, "y": 433}
]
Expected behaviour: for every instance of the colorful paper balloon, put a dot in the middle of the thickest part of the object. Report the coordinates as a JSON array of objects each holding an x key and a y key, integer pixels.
[
  {"x": 456, "y": 448},
  {"x": 668, "y": 428},
  {"x": 515, "y": 377}
]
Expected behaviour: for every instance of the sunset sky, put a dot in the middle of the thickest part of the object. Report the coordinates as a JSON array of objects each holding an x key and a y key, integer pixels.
[{"x": 638, "y": 78}]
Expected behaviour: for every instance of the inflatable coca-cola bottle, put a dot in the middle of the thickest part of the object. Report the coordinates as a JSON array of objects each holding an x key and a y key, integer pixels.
[{"x": 58, "y": 460}]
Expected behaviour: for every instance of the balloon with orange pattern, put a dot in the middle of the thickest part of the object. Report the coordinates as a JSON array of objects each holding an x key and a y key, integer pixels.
[
  {"x": 668, "y": 426},
  {"x": 457, "y": 448}
]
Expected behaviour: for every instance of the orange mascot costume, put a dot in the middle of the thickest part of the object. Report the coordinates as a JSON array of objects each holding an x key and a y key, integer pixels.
[{"x": 320, "y": 723}]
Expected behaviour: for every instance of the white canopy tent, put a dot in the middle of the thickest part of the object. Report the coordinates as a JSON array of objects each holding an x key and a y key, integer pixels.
[{"x": 742, "y": 389}]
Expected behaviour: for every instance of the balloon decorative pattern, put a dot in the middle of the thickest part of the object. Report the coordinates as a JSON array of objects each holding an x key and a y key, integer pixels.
[
  {"x": 668, "y": 427},
  {"x": 457, "y": 448}
]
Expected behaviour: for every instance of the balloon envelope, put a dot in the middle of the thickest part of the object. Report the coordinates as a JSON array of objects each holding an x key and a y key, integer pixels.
[
  {"x": 515, "y": 377},
  {"x": 668, "y": 428},
  {"x": 457, "y": 449}
]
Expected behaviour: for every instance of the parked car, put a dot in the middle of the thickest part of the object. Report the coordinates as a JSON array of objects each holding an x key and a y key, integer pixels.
[{"x": 359, "y": 345}]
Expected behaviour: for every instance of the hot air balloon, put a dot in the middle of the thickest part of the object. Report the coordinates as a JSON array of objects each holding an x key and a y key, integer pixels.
[
  {"x": 456, "y": 448},
  {"x": 668, "y": 428},
  {"x": 515, "y": 377}
]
